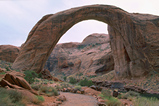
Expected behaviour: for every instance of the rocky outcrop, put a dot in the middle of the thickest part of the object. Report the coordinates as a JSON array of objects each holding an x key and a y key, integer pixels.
[
  {"x": 134, "y": 39},
  {"x": 16, "y": 82},
  {"x": 8, "y": 53},
  {"x": 45, "y": 74},
  {"x": 81, "y": 58}
]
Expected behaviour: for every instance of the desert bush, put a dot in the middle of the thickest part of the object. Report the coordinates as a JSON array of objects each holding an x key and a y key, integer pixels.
[
  {"x": 7, "y": 69},
  {"x": 2, "y": 73},
  {"x": 72, "y": 80},
  {"x": 86, "y": 82},
  {"x": 78, "y": 87},
  {"x": 35, "y": 87},
  {"x": 65, "y": 78},
  {"x": 30, "y": 76},
  {"x": 65, "y": 85},
  {"x": 129, "y": 94},
  {"x": 142, "y": 101},
  {"x": 111, "y": 101},
  {"x": 58, "y": 87},
  {"x": 38, "y": 100},
  {"x": 10, "y": 98},
  {"x": 15, "y": 96},
  {"x": 50, "y": 91},
  {"x": 106, "y": 92}
]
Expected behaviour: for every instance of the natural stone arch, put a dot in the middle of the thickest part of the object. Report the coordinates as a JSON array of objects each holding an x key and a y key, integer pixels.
[{"x": 133, "y": 44}]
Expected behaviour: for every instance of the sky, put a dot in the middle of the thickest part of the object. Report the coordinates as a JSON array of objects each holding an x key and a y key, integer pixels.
[{"x": 17, "y": 17}]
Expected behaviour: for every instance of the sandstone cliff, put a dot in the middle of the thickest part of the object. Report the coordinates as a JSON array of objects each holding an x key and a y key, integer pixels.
[{"x": 90, "y": 57}]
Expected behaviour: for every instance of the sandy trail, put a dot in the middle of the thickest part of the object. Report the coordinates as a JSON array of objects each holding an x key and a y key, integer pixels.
[{"x": 78, "y": 100}]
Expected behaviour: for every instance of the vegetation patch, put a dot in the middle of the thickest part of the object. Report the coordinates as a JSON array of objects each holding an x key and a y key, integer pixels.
[
  {"x": 10, "y": 98},
  {"x": 30, "y": 76},
  {"x": 72, "y": 80},
  {"x": 111, "y": 101},
  {"x": 50, "y": 91},
  {"x": 86, "y": 82}
]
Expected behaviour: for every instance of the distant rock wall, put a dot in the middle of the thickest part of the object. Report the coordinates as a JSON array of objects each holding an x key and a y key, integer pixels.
[
  {"x": 90, "y": 57},
  {"x": 134, "y": 39}
]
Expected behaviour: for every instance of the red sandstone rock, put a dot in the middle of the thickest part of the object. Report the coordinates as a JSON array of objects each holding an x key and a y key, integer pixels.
[
  {"x": 16, "y": 83},
  {"x": 68, "y": 58},
  {"x": 134, "y": 39},
  {"x": 8, "y": 53}
]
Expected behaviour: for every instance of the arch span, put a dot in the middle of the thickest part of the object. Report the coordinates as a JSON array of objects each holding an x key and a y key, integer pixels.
[{"x": 134, "y": 45}]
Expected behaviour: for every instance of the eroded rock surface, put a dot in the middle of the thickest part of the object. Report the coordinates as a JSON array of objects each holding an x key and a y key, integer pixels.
[
  {"x": 90, "y": 57},
  {"x": 8, "y": 53},
  {"x": 134, "y": 39},
  {"x": 16, "y": 82}
]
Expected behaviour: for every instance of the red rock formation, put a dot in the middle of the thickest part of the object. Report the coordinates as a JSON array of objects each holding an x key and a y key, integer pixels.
[
  {"x": 8, "y": 53},
  {"x": 16, "y": 82},
  {"x": 47, "y": 75},
  {"x": 134, "y": 39},
  {"x": 75, "y": 58}
]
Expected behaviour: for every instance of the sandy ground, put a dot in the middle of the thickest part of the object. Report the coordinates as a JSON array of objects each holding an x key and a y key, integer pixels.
[{"x": 78, "y": 100}]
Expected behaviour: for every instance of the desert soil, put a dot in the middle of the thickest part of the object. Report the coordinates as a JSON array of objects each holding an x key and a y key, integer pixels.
[{"x": 78, "y": 100}]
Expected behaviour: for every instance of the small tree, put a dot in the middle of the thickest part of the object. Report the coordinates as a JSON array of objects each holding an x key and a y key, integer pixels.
[
  {"x": 86, "y": 82},
  {"x": 65, "y": 78},
  {"x": 72, "y": 80},
  {"x": 30, "y": 76}
]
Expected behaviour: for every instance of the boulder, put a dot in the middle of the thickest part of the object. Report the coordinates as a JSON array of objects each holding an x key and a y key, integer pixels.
[
  {"x": 47, "y": 75},
  {"x": 61, "y": 98},
  {"x": 8, "y": 53},
  {"x": 115, "y": 93},
  {"x": 90, "y": 91},
  {"x": 16, "y": 83},
  {"x": 2, "y": 70}
]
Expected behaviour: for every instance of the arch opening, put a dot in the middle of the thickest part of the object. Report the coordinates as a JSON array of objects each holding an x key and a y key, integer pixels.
[{"x": 87, "y": 56}]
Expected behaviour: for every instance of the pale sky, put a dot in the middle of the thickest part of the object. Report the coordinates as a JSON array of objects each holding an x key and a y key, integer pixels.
[{"x": 17, "y": 17}]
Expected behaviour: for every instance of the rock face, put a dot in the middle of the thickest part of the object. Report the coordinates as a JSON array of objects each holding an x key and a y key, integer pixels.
[
  {"x": 16, "y": 82},
  {"x": 134, "y": 39},
  {"x": 8, "y": 53},
  {"x": 81, "y": 58}
]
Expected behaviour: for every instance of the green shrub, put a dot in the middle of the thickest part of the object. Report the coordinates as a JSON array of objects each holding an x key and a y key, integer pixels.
[
  {"x": 65, "y": 85},
  {"x": 30, "y": 76},
  {"x": 129, "y": 94},
  {"x": 10, "y": 98},
  {"x": 78, "y": 87},
  {"x": 50, "y": 91},
  {"x": 72, "y": 80},
  {"x": 65, "y": 78},
  {"x": 142, "y": 101},
  {"x": 38, "y": 100},
  {"x": 2, "y": 73},
  {"x": 113, "y": 102},
  {"x": 39, "y": 75},
  {"x": 106, "y": 92},
  {"x": 15, "y": 96},
  {"x": 35, "y": 87},
  {"x": 86, "y": 82},
  {"x": 7, "y": 69},
  {"x": 58, "y": 87}
]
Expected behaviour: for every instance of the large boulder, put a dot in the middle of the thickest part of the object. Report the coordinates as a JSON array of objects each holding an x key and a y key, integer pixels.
[
  {"x": 8, "y": 53},
  {"x": 16, "y": 82},
  {"x": 134, "y": 39}
]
